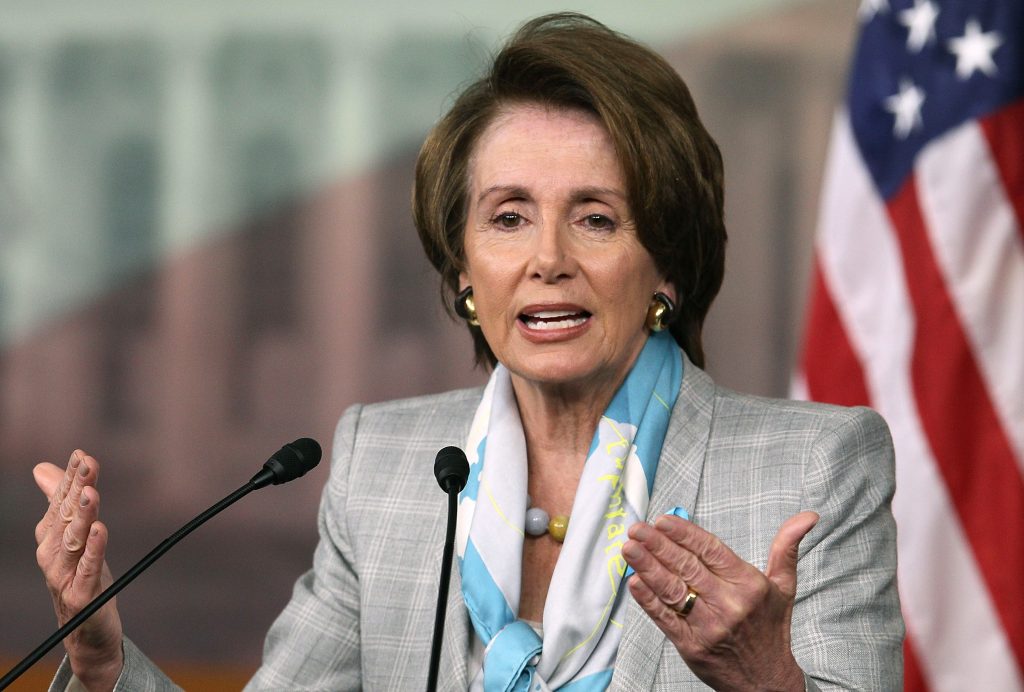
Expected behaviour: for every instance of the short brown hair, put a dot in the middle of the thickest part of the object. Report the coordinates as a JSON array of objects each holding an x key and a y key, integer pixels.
[{"x": 673, "y": 167}]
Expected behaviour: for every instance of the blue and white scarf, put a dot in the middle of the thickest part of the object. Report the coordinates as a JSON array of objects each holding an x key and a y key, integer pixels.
[{"x": 584, "y": 611}]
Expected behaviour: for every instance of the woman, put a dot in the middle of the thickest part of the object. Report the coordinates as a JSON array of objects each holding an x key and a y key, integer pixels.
[{"x": 572, "y": 203}]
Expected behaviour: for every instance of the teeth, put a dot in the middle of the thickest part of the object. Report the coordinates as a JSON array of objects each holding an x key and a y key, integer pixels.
[
  {"x": 560, "y": 324},
  {"x": 551, "y": 314}
]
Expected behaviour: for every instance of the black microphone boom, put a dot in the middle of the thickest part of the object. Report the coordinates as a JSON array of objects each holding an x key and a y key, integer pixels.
[
  {"x": 452, "y": 471},
  {"x": 288, "y": 463}
]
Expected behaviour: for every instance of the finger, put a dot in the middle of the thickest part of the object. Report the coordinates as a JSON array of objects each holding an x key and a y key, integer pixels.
[
  {"x": 712, "y": 553},
  {"x": 69, "y": 476},
  {"x": 76, "y": 533},
  {"x": 667, "y": 619},
  {"x": 83, "y": 476},
  {"x": 668, "y": 570},
  {"x": 680, "y": 561},
  {"x": 44, "y": 476},
  {"x": 89, "y": 576},
  {"x": 48, "y": 477},
  {"x": 785, "y": 548}
]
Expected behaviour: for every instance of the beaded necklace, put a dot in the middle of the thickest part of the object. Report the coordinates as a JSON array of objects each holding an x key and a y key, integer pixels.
[{"x": 539, "y": 523}]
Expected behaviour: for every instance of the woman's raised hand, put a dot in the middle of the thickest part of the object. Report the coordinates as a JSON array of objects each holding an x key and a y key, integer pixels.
[
  {"x": 71, "y": 545},
  {"x": 735, "y": 632}
]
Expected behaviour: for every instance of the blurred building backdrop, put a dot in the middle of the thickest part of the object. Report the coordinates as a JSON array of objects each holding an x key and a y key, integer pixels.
[{"x": 205, "y": 251}]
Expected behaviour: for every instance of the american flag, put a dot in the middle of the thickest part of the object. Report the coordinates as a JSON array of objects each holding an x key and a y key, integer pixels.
[{"x": 917, "y": 310}]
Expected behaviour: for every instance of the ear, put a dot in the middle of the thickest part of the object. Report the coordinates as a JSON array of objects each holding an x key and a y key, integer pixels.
[
  {"x": 669, "y": 289},
  {"x": 464, "y": 280}
]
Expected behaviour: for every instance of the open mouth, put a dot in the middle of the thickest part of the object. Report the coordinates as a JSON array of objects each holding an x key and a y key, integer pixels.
[{"x": 554, "y": 319}]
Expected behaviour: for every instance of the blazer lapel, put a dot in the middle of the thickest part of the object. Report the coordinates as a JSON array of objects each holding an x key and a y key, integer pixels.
[{"x": 675, "y": 484}]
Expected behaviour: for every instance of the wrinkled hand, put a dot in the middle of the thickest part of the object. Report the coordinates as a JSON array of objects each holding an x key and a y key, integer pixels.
[
  {"x": 737, "y": 634},
  {"x": 71, "y": 545}
]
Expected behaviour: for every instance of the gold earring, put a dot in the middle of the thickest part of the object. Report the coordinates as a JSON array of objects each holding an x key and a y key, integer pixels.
[
  {"x": 660, "y": 312},
  {"x": 464, "y": 306}
]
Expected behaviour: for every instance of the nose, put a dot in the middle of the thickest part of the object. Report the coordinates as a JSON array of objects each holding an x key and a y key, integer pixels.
[{"x": 552, "y": 257}]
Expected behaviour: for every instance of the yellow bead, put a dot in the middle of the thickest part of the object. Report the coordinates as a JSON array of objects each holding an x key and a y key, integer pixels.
[{"x": 557, "y": 527}]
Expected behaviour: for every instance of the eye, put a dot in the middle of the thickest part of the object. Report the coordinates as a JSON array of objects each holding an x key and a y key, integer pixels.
[
  {"x": 507, "y": 219},
  {"x": 599, "y": 222}
]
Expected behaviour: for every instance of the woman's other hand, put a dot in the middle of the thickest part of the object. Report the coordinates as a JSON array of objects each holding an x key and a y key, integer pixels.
[
  {"x": 736, "y": 634},
  {"x": 71, "y": 547}
]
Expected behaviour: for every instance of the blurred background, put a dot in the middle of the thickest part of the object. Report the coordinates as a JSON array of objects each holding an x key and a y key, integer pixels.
[{"x": 206, "y": 251}]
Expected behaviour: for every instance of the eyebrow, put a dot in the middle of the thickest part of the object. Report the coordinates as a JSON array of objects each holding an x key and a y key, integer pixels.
[
  {"x": 513, "y": 190},
  {"x": 581, "y": 195}
]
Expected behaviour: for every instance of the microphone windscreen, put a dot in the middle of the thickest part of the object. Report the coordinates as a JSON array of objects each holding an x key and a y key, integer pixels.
[
  {"x": 293, "y": 460},
  {"x": 451, "y": 468}
]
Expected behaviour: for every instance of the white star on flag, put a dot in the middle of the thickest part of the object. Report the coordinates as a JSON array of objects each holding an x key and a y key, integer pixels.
[
  {"x": 974, "y": 50},
  {"x": 906, "y": 106},
  {"x": 869, "y": 8},
  {"x": 920, "y": 23}
]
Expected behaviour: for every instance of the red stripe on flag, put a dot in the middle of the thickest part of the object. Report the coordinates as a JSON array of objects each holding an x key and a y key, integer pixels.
[
  {"x": 913, "y": 678},
  {"x": 1004, "y": 131},
  {"x": 833, "y": 371},
  {"x": 970, "y": 448}
]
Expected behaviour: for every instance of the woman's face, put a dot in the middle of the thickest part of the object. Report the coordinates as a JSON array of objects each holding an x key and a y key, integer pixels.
[{"x": 560, "y": 280}]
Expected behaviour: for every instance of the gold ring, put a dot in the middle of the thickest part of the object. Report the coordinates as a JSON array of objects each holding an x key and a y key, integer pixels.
[{"x": 691, "y": 598}]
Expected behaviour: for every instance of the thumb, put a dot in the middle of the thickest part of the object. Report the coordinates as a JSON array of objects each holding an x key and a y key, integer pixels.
[
  {"x": 48, "y": 477},
  {"x": 783, "y": 553}
]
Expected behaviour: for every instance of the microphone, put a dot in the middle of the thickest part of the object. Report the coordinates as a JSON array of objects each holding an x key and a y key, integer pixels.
[
  {"x": 286, "y": 464},
  {"x": 452, "y": 471}
]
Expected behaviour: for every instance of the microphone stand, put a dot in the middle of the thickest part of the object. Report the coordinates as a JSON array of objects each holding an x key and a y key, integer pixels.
[
  {"x": 442, "y": 591},
  {"x": 451, "y": 470}
]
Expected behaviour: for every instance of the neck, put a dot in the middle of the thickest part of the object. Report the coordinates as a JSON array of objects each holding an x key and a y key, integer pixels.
[{"x": 559, "y": 422}]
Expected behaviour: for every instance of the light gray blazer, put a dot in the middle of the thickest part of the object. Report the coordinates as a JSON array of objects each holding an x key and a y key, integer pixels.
[{"x": 363, "y": 616}]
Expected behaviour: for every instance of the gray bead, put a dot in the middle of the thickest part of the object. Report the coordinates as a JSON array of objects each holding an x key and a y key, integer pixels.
[{"x": 536, "y": 521}]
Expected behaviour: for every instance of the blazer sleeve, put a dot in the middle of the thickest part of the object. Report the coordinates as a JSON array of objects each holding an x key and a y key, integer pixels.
[
  {"x": 139, "y": 674},
  {"x": 314, "y": 643},
  {"x": 847, "y": 626}
]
